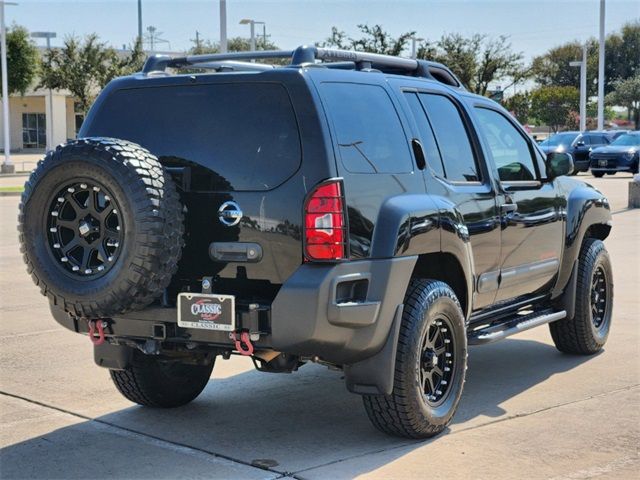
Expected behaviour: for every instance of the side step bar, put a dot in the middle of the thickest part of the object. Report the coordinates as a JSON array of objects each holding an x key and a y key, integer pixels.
[{"x": 517, "y": 324}]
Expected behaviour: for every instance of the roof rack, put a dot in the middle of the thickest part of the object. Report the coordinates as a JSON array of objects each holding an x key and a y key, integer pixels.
[{"x": 307, "y": 56}]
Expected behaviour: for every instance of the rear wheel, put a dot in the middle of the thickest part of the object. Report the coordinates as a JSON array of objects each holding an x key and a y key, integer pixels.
[
  {"x": 587, "y": 332},
  {"x": 156, "y": 381},
  {"x": 431, "y": 363}
]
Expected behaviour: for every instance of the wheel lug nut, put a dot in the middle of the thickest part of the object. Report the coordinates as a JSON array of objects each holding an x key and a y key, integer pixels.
[
  {"x": 96, "y": 189},
  {"x": 87, "y": 271},
  {"x": 443, "y": 382},
  {"x": 447, "y": 354},
  {"x": 106, "y": 198},
  {"x": 53, "y": 229},
  {"x": 438, "y": 392},
  {"x": 446, "y": 340},
  {"x": 447, "y": 369},
  {"x": 64, "y": 259},
  {"x": 110, "y": 259},
  {"x": 54, "y": 214},
  {"x": 75, "y": 268},
  {"x": 60, "y": 199},
  {"x": 71, "y": 189},
  {"x": 83, "y": 185},
  {"x": 56, "y": 245},
  {"x": 101, "y": 268}
]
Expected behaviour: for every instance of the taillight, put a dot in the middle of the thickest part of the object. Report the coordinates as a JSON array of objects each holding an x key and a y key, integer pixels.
[{"x": 325, "y": 233}]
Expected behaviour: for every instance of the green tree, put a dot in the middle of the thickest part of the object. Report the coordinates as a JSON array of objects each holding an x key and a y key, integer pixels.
[
  {"x": 626, "y": 93},
  {"x": 234, "y": 44},
  {"x": 622, "y": 59},
  {"x": 85, "y": 66},
  {"x": 519, "y": 104},
  {"x": 373, "y": 40},
  {"x": 553, "y": 69},
  {"x": 553, "y": 105},
  {"x": 478, "y": 60},
  {"x": 22, "y": 60}
]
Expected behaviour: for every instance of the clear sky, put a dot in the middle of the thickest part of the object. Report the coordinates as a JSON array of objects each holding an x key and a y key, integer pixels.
[{"x": 533, "y": 26}]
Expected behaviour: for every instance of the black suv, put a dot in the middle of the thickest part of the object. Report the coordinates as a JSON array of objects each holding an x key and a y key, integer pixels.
[
  {"x": 356, "y": 210},
  {"x": 578, "y": 144}
]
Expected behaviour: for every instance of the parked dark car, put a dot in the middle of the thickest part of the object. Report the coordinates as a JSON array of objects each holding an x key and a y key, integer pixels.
[
  {"x": 620, "y": 156},
  {"x": 359, "y": 211},
  {"x": 578, "y": 144}
]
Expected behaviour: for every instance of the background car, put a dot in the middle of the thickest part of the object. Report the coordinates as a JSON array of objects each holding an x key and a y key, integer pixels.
[
  {"x": 620, "y": 156},
  {"x": 578, "y": 144}
]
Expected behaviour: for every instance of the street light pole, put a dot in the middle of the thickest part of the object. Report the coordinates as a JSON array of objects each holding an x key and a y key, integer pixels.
[
  {"x": 49, "y": 118},
  {"x": 583, "y": 87},
  {"x": 252, "y": 23},
  {"x": 7, "y": 165},
  {"x": 414, "y": 40},
  {"x": 601, "y": 70},
  {"x": 140, "y": 21},
  {"x": 223, "y": 26}
]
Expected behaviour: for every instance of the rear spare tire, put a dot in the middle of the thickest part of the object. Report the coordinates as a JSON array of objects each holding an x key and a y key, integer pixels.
[{"x": 100, "y": 227}]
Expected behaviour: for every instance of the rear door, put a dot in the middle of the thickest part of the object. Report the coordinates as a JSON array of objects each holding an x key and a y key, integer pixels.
[
  {"x": 460, "y": 172},
  {"x": 532, "y": 230}
]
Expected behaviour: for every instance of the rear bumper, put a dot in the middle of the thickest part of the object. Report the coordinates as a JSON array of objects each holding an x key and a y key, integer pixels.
[{"x": 307, "y": 317}]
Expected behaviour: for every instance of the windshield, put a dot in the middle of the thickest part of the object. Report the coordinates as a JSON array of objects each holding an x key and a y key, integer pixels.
[
  {"x": 560, "y": 139},
  {"x": 627, "y": 140}
]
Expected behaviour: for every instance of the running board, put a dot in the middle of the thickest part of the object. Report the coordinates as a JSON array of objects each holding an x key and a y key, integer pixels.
[{"x": 513, "y": 325}]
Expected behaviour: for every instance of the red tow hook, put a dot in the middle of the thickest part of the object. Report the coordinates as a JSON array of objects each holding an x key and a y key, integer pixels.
[
  {"x": 244, "y": 339},
  {"x": 93, "y": 324}
]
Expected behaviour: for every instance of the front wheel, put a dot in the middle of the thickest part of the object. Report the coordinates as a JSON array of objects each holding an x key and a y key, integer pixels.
[
  {"x": 156, "y": 381},
  {"x": 598, "y": 174},
  {"x": 431, "y": 363},
  {"x": 587, "y": 332}
]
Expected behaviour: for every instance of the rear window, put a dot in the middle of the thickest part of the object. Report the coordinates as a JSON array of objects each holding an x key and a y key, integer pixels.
[{"x": 246, "y": 133}]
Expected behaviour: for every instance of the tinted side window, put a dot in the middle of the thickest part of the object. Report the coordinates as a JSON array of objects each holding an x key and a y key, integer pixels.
[
  {"x": 453, "y": 140},
  {"x": 368, "y": 129},
  {"x": 509, "y": 149},
  {"x": 245, "y": 133},
  {"x": 430, "y": 146}
]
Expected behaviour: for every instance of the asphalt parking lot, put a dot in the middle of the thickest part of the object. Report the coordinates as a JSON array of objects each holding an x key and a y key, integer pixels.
[{"x": 527, "y": 410}]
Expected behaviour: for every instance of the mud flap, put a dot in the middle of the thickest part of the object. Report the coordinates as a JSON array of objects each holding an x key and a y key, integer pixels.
[
  {"x": 374, "y": 375},
  {"x": 113, "y": 357}
]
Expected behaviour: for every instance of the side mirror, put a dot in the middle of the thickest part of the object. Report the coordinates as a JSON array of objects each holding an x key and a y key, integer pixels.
[{"x": 559, "y": 164}]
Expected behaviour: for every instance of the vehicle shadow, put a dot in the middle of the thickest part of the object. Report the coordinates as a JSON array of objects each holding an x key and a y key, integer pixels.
[{"x": 289, "y": 422}]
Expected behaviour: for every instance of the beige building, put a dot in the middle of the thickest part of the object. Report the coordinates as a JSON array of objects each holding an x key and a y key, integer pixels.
[{"x": 39, "y": 121}]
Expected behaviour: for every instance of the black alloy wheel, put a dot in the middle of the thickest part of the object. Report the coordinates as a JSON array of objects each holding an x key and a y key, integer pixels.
[
  {"x": 84, "y": 230},
  {"x": 437, "y": 365}
]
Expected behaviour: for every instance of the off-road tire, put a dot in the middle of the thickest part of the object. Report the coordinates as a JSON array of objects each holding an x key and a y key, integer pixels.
[
  {"x": 406, "y": 412},
  {"x": 154, "y": 381},
  {"x": 580, "y": 335},
  {"x": 150, "y": 212}
]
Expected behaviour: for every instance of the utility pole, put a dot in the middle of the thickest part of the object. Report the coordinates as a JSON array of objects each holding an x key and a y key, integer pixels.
[
  {"x": 7, "y": 165},
  {"x": 140, "y": 21},
  {"x": 49, "y": 117},
  {"x": 601, "y": 70},
  {"x": 583, "y": 87},
  {"x": 223, "y": 26}
]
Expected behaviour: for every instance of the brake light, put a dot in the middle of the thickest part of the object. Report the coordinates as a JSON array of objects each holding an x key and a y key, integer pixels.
[{"x": 325, "y": 234}]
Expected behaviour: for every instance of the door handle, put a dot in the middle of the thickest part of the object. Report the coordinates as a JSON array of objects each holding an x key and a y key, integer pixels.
[{"x": 509, "y": 208}]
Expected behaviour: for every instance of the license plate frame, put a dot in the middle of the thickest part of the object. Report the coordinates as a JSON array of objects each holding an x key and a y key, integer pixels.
[
  {"x": 602, "y": 163},
  {"x": 215, "y": 312}
]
